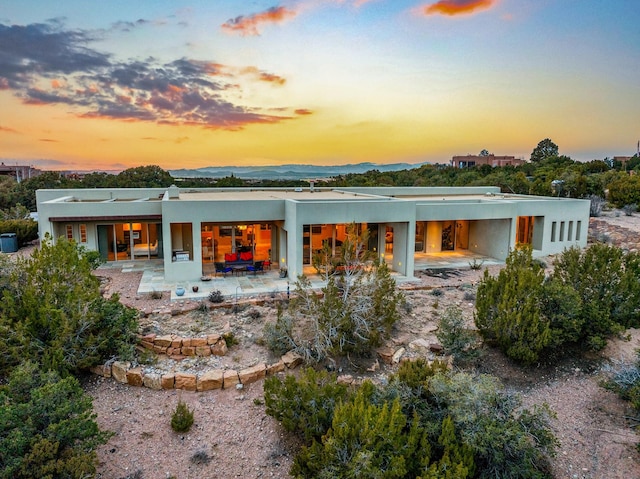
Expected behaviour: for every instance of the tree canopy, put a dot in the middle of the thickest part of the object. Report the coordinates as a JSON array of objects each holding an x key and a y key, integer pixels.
[
  {"x": 545, "y": 149},
  {"x": 52, "y": 312}
]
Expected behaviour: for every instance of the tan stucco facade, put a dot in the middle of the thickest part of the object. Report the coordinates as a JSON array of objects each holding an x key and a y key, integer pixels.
[{"x": 188, "y": 228}]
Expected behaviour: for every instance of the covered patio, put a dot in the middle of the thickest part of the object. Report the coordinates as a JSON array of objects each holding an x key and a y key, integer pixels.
[{"x": 269, "y": 282}]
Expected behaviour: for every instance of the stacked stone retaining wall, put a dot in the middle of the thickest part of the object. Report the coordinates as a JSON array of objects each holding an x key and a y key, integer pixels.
[{"x": 126, "y": 373}]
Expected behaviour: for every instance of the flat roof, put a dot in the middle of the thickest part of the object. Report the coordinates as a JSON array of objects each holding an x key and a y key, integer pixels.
[
  {"x": 253, "y": 195},
  {"x": 475, "y": 198}
]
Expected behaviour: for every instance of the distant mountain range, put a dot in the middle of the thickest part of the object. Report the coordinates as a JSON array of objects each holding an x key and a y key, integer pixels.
[{"x": 287, "y": 172}]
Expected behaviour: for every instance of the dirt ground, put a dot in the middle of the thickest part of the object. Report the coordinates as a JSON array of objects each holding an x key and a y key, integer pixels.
[{"x": 233, "y": 437}]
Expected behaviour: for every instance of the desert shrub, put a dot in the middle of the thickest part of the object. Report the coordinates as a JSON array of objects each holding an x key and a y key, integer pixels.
[
  {"x": 216, "y": 296},
  {"x": 624, "y": 379},
  {"x": 590, "y": 295},
  {"x": 201, "y": 457},
  {"x": 230, "y": 339},
  {"x": 304, "y": 405},
  {"x": 354, "y": 313},
  {"x": 455, "y": 337},
  {"x": 437, "y": 292},
  {"x": 624, "y": 190},
  {"x": 254, "y": 314},
  {"x": 93, "y": 257},
  {"x": 417, "y": 374},
  {"x": 506, "y": 439},
  {"x": 507, "y": 308},
  {"x": 278, "y": 336},
  {"x": 356, "y": 310},
  {"x": 425, "y": 422},
  {"x": 15, "y": 212},
  {"x": 406, "y": 305},
  {"x": 560, "y": 304},
  {"x": 629, "y": 210},
  {"x": 182, "y": 417},
  {"x": 52, "y": 313},
  {"x": 202, "y": 307},
  {"x": 475, "y": 264},
  {"x": 47, "y": 428},
  {"x": 469, "y": 296}
]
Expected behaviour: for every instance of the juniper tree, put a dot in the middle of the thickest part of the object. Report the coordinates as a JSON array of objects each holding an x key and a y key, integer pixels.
[
  {"x": 52, "y": 312},
  {"x": 47, "y": 428},
  {"x": 508, "y": 310}
]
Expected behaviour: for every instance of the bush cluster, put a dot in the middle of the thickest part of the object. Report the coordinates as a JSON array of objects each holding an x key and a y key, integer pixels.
[
  {"x": 457, "y": 340},
  {"x": 47, "y": 428},
  {"x": 425, "y": 422},
  {"x": 52, "y": 313},
  {"x": 590, "y": 295},
  {"x": 54, "y": 323}
]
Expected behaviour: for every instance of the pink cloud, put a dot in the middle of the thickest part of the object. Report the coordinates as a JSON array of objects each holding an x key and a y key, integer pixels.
[
  {"x": 248, "y": 25},
  {"x": 457, "y": 7}
]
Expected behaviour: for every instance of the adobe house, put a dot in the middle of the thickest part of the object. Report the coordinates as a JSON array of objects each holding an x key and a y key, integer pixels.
[
  {"x": 471, "y": 161},
  {"x": 191, "y": 229}
]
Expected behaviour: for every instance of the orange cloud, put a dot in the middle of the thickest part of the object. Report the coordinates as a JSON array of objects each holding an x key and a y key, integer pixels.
[
  {"x": 303, "y": 111},
  {"x": 272, "y": 78},
  {"x": 6, "y": 129},
  {"x": 263, "y": 76},
  {"x": 457, "y": 7},
  {"x": 248, "y": 25}
]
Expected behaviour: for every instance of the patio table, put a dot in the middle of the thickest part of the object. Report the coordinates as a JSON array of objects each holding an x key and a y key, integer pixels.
[{"x": 239, "y": 269}]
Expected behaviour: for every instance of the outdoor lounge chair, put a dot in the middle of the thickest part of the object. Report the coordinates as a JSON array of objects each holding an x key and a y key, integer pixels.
[{"x": 221, "y": 268}]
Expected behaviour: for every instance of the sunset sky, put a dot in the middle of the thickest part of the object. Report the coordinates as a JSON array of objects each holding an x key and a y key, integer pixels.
[{"x": 114, "y": 84}]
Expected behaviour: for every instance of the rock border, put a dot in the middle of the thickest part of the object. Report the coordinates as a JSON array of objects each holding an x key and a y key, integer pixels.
[
  {"x": 124, "y": 372},
  {"x": 178, "y": 347}
]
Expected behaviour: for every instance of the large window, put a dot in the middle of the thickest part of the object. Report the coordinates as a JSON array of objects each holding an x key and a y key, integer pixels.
[
  {"x": 181, "y": 242},
  {"x": 525, "y": 230},
  {"x": 69, "y": 232},
  {"x": 83, "y": 233}
]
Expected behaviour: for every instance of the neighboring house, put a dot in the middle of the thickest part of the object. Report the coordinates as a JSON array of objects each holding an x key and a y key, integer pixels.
[
  {"x": 190, "y": 229},
  {"x": 470, "y": 161},
  {"x": 19, "y": 172}
]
